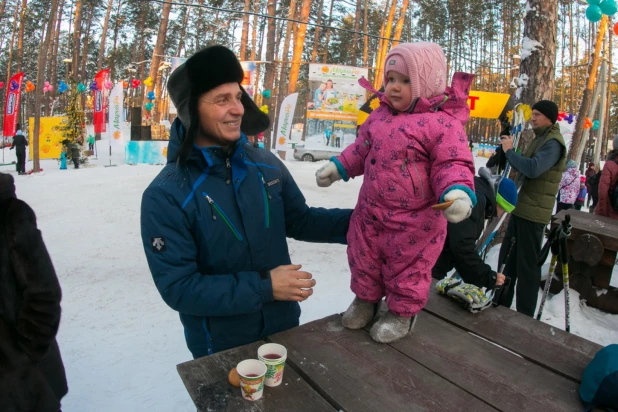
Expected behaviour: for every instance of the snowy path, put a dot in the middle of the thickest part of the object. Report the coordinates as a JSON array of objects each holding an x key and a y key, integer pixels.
[{"x": 119, "y": 341}]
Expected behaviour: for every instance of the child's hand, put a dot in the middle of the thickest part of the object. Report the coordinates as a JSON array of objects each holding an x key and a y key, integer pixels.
[
  {"x": 460, "y": 209},
  {"x": 327, "y": 175},
  {"x": 500, "y": 279}
]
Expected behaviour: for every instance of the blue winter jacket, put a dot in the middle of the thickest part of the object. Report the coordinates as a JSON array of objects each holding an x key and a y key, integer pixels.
[{"x": 213, "y": 227}]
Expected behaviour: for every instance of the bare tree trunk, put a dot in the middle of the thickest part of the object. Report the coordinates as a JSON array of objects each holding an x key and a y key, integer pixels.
[
  {"x": 101, "y": 56},
  {"x": 244, "y": 38},
  {"x": 157, "y": 55},
  {"x": 86, "y": 44},
  {"x": 399, "y": 25},
  {"x": 357, "y": 17},
  {"x": 299, "y": 43},
  {"x": 112, "y": 69},
  {"x": 330, "y": 21},
  {"x": 39, "y": 79},
  {"x": 383, "y": 50},
  {"x": 256, "y": 10},
  {"x": 2, "y": 7},
  {"x": 183, "y": 30},
  {"x": 539, "y": 68},
  {"x": 20, "y": 39},
  {"x": 587, "y": 96},
  {"x": 10, "y": 58},
  {"x": 269, "y": 75},
  {"x": 54, "y": 53},
  {"x": 365, "y": 37},
  {"x": 316, "y": 35},
  {"x": 77, "y": 24}
]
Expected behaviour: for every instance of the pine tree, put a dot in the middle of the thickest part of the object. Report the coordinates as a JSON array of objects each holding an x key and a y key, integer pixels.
[{"x": 74, "y": 127}]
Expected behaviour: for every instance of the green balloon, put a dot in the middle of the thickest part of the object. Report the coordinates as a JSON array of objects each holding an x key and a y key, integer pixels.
[
  {"x": 594, "y": 2},
  {"x": 608, "y": 7},
  {"x": 594, "y": 13}
]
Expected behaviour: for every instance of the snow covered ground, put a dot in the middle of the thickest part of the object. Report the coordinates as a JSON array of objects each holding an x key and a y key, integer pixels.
[{"x": 119, "y": 340}]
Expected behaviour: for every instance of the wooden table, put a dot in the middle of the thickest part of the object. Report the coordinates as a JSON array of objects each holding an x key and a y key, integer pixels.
[
  {"x": 453, "y": 361},
  {"x": 585, "y": 278}
]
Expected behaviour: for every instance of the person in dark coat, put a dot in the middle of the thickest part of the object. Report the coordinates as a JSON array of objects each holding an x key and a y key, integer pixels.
[
  {"x": 32, "y": 376},
  {"x": 495, "y": 196},
  {"x": 214, "y": 222},
  {"x": 19, "y": 144}
]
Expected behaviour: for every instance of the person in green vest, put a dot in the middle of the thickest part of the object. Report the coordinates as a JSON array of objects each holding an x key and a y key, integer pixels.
[{"x": 540, "y": 171}]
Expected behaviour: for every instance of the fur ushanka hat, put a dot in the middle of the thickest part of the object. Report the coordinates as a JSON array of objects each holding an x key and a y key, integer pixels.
[{"x": 209, "y": 68}]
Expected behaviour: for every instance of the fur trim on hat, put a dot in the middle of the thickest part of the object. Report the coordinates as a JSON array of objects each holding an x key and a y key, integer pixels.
[{"x": 205, "y": 70}]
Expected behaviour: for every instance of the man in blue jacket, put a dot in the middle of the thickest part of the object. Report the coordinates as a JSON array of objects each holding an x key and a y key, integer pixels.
[{"x": 214, "y": 222}]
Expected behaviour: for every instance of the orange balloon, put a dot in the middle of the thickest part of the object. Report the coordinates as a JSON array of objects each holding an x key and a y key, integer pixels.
[{"x": 616, "y": 29}]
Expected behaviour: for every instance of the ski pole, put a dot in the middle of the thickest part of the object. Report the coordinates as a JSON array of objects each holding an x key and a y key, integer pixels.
[
  {"x": 564, "y": 259},
  {"x": 500, "y": 290},
  {"x": 553, "y": 245}
]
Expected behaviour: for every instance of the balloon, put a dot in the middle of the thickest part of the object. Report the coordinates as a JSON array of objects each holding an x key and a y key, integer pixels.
[
  {"x": 14, "y": 85},
  {"x": 62, "y": 87},
  {"x": 264, "y": 109},
  {"x": 81, "y": 87},
  {"x": 93, "y": 86},
  {"x": 47, "y": 87},
  {"x": 594, "y": 13},
  {"x": 125, "y": 84},
  {"x": 30, "y": 86},
  {"x": 135, "y": 83},
  {"x": 1, "y": 85},
  {"x": 595, "y": 125},
  {"x": 148, "y": 81},
  {"x": 108, "y": 85},
  {"x": 151, "y": 96},
  {"x": 608, "y": 7},
  {"x": 594, "y": 2},
  {"x": 149, "y": 106},
  {"x": 562, "y": 116},
  {"x": 266, "y": 94},
  {"x": 616, "y": 29}
]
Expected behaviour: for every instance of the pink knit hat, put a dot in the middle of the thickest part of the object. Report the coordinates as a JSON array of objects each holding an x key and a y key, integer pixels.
[{"x": 425, "y": 64}]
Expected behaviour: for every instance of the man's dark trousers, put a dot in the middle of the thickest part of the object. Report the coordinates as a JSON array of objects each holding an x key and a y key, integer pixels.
[
  {"x": 522, "y": 263},
  {"x": 21, "y": 161}
]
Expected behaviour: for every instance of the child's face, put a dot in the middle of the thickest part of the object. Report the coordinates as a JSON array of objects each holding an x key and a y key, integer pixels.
[
  {"x": 398, "y": 91},
  {"x": 323, "y": 86}
]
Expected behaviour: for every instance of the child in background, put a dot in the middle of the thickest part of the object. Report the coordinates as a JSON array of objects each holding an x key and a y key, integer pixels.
[
  {"x": 413, "y": 152},
  {"x": 583, "y": 192}
]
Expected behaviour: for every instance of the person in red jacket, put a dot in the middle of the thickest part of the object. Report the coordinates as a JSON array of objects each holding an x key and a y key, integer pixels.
[{"x": 607, "y": 184}]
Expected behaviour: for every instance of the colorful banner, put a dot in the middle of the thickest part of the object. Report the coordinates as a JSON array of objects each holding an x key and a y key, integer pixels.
[
  {"x": 116, "y": 135},
  {"x": 50, "y": 138},
  {"x": 11, "y": 106},
  {"x": 332, "y": 109},
  {"x": 284, "y": 124},
  {"x": 99, "y": 103},
  {"x": 248, "y": 81},
  {"x": 176, "y": 61}
]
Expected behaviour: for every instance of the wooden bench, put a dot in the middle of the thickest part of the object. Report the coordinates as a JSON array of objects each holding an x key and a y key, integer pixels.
[{"x": 453, "y": 361}]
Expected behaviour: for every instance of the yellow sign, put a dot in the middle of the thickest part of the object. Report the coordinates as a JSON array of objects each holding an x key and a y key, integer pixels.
[
  {"x": 314, "y": 114},
  {"x": 486, "y": 105},
  {"x": 50, "y": 139}
]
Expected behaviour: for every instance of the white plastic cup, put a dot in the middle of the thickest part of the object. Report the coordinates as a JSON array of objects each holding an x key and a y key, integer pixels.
[
  {"x": 274, "y": 365},
  {"x": 251, "y": 373}
]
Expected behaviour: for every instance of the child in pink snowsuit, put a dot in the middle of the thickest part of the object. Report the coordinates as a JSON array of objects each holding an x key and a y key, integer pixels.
[{"x": 413, "y": 152}]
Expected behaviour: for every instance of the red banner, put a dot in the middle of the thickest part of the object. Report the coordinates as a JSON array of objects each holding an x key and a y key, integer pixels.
[
  {"x": 99, "y": 103},
  {"x": 11, "y": 106}
]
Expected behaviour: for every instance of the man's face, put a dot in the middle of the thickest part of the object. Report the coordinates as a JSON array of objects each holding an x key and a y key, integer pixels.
[
  {"x": 538, "y": 119},
  {"x": 220, "y": 112}
]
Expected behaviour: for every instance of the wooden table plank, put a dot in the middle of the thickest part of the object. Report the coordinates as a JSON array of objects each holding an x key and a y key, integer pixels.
[
  {"x": 357, "y": 374},
  {"x": 553, "y": 348},
  {"x": 499, "y": 377},
  {"x": 583, "y": 222},
  {"x": 206, "y": 380}
]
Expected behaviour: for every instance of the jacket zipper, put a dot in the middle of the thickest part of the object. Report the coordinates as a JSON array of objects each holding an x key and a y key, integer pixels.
[
  {"x": 403, "y": 168},
  {"x": 267, "y": 198},
  {"x": 215, "y": 208},
  {"x": 205, "y": 325},
  {"x": 228, "y": 166}
]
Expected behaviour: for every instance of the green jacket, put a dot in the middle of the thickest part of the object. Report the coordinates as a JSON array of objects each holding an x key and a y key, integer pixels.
[{"x": 538, "y": 196}]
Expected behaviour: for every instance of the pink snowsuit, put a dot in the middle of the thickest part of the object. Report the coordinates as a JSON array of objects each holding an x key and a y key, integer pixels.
[{"x": 410, "y": 161}]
